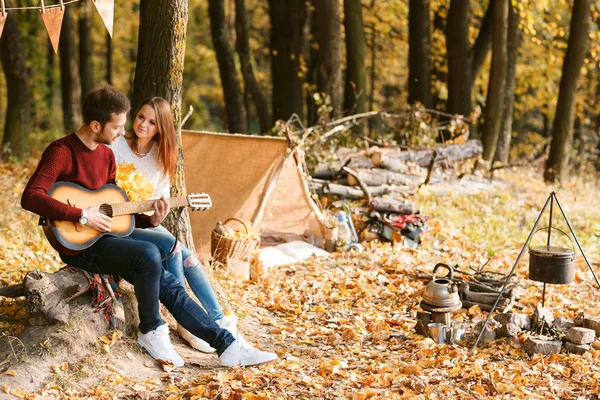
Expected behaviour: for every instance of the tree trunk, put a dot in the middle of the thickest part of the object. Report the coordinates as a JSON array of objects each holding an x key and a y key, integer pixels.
[
  {"x": 46, "y": 124},
  {"x": 85, "y": 48},
  {"x": 482, "y": 43},
  {"x": 69, "y": 74},
  {"x": 373, "y": 75},
  {"x": 438, "y": 72},
  {"x": 243, "y": 48},
  {"x": 286, "y": 50},
  {"x": 355, "y": 88},
  {"x": 497, "y": 83},
  {"x": 18, "y": 108},
  {"x": 419, "y": 63},
  {"x": 503, "y": 147},
  {"x": 459, "y": 64},
  {"x": 562, "y": 129},
  {"x": 464, "y": 63},
  {"x": 109, "y": 63},
  {"x": 159, "y": 72},
  {"x": 329, "y": 38},
  {"x": 312, "y": 52},
  {"x": 232, "y": 92}
]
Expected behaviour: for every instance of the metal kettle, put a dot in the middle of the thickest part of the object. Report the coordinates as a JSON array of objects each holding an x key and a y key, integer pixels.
[{"x": 442, "y": 292}]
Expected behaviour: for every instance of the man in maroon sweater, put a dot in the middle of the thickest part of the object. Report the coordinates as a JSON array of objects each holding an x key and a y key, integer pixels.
[{"x": 81, "y": 158}]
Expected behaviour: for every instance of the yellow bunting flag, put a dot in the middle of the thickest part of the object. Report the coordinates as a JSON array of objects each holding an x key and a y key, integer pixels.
[
  {"x": 106, "y": 9},
  {"x": 52, "y": 18}
]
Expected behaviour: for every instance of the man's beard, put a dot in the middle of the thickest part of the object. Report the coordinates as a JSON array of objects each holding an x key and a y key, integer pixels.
[{"x": 102, "y": 138}]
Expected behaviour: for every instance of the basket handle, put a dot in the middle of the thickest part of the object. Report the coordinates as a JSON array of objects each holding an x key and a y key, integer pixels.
[
  {"x": 560, "y": 230},
  {"x": 238, "y": 220}
]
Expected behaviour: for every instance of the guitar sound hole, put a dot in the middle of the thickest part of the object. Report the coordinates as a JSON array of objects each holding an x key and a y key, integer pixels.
[{"x": 106, "y": 209}]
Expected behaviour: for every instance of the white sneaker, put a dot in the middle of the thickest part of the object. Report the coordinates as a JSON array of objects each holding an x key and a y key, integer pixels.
[
  {"x": 158, "y": 344},
  {"x": 240, "y": 352},
  {"x": 229, "y": 322},
  {"x": 195, "y": 342}
]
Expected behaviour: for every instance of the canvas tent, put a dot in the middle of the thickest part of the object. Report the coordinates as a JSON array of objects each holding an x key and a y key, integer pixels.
[{"x": 253, "y": 178}]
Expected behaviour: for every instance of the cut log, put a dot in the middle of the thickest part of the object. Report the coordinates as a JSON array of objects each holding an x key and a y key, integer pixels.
[
  {"x": 378, "y": 177},
  {"x": 395, "y": 159},
  {"x": 394, "y": 206},
  {"x": 328, "y": 170},
  {"x": 47, "y": 295},
  {"x": 347, "y": 192}
]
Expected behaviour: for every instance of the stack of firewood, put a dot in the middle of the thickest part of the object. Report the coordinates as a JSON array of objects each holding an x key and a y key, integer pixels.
[{"x": 377, "y": 171}]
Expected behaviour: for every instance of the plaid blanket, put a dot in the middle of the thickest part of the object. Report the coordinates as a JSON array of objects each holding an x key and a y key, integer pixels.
[{"x": 101, "y": 300}]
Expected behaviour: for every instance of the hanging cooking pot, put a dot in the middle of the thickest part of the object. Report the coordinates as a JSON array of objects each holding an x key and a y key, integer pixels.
[
  {"x": 551, "y": 264},
  {"x": 442, "y": 292}
]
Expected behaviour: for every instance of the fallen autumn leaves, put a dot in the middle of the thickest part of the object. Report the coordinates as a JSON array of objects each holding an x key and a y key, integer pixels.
[{"x": 344, "y": 327}]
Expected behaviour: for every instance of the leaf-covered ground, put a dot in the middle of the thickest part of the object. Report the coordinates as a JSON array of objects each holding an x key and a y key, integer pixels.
[{"x": 343, "y": 327}]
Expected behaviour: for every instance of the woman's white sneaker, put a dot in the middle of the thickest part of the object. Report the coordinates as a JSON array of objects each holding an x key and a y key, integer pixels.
[
  {"x": 241, "y": 353},
  {"x": 194, "y": 341},
  {"x": 158, "y": 344}
]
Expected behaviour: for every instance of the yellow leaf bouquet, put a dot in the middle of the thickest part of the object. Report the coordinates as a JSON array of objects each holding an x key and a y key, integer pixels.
[{"x": 133, "y": 182}]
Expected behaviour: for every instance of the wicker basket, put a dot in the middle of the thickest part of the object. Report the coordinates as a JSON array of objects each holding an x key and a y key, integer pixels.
[{"x": 223, "y": 248}]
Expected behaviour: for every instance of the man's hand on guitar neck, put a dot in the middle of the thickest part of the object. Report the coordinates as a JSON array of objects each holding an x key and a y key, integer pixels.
[
  {"x": 161, "y": 209},
  {"x": 97, "y": 220}
]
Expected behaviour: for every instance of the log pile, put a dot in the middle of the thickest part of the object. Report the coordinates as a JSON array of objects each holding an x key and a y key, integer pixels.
[{"x": 377, "y": 171}]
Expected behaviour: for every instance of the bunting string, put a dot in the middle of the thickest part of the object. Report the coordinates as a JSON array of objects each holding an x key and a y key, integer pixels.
[
  {"x": 52, "y": 16},
  {"x": 46, "y": 6}
]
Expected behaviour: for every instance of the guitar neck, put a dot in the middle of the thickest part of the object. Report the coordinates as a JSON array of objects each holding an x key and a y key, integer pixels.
[{"x": 136, "y": 207}]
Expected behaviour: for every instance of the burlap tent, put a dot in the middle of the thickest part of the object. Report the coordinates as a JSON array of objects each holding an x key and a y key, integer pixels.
[{"x": 253, "y": 178}]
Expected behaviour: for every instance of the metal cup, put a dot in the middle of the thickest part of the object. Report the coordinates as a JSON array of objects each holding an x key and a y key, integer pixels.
[
  {"x": 437, "y": 331},
  {"x": 457, "y": 331}
]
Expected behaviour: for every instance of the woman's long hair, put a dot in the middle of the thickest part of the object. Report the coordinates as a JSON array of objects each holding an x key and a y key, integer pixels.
[{"x": 165, "y": 136}]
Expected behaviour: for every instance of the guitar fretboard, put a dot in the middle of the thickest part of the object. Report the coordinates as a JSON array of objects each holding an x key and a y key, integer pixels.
[{"x": 136, "y": 207}]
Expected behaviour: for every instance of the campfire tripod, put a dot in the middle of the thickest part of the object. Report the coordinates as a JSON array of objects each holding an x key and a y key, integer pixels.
[{"x": 551, "y": 199}]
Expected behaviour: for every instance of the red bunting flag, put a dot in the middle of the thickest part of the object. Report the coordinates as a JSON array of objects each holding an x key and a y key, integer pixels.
[{"x": 106, "y": 9}]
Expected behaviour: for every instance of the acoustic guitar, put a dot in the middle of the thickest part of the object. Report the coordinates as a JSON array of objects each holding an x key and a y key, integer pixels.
[{"x": 71, "y": 237}]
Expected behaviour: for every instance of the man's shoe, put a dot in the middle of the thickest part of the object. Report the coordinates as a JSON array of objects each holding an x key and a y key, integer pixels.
[
  {"x": 241, "y": 353},
  {"x": 229, "y": 322},
  {"x": 194, "y": 341},
  {"x": 158, "y": 344}
]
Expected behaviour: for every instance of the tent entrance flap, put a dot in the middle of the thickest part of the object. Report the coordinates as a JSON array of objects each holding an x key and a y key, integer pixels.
[{"x": 250, "y": 178}]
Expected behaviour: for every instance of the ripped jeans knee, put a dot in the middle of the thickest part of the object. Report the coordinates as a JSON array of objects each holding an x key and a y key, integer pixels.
[{"x": 191, "y": 261}]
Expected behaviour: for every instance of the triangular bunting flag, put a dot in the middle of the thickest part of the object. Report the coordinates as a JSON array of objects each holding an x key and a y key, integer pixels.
[
  {"x": 106, "y": 9},
  {"x": 52, "y": 18},
  {"x": 2, "y": 21}
]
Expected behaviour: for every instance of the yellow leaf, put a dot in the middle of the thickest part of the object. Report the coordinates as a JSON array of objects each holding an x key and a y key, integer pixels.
[
  {"x": 12, "y": 373},
  {"x": 19, "y": 393},
  {"x": 104, "y": 339},
  {"x": 5, "y": 388},
  {"x": 479, "y": 389},
  {"x": 198, "y": 390}
]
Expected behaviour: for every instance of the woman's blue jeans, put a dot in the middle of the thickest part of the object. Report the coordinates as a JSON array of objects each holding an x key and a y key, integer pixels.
[
  {"x": 139, "y": 263},
  {"x": 177, "y": 265}
]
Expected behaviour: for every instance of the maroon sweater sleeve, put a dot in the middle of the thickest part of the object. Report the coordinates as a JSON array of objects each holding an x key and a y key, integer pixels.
[{"x": 55, "y": 160}]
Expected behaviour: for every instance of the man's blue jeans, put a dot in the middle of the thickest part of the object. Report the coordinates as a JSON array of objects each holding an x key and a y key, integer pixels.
[
  {"x": 177, "y": 265},
  {"x": 139, "y": 263}
]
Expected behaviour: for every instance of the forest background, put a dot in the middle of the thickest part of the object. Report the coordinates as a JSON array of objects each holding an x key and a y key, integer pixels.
[{"x": 448, "y": 62}]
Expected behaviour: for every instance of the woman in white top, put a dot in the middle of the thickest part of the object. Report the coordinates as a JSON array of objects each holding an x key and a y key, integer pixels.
[{"x": 146, "y": 160}]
